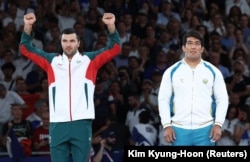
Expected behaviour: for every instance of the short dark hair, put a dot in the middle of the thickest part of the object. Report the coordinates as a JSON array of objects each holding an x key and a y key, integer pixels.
[
  {"x": 144, "y": 117},
  {"x": 192, "y": 33},
  {"x": 71, "y": 31},
  {"x": 2, "y": 87},
  {"x": 8, "y": 65},
  {"x": 15, "y": 104}
]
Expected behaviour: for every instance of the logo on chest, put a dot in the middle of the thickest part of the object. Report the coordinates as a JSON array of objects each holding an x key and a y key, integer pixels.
[{"x": 205, "y": 81}]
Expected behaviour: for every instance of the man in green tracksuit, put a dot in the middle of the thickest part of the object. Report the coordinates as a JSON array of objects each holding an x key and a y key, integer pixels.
[{"x": 71, "y": 79}]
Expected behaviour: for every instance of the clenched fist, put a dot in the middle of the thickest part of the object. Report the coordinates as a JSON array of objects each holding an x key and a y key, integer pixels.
[
  {"x": 108, "y": 18},
  {"x": 29, "y": 19}
]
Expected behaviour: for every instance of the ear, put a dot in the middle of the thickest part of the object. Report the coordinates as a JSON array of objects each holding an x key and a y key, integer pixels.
[
  {"x": 202, "y": 49},
  {"x": 78, "y": 43},
  {"x": 184, "y": 49}
]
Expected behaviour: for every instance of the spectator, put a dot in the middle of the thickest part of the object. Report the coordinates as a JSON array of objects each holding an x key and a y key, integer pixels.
[
  {"x": 96, "y": 140},
  {"x": 239, "y": 54},
  {"x": 239, "y": 46},
  {"x": 215, "y": 45},
  {"x": 135, "y": 71},
  {"x": 139, "y": 26},
  {"x": 150, "y": 101},
  {"x": 165, "y": 14},
  {"x": 106, "y": 151},
  {"x": 104, "y": 104},
  {"x": 227, "y": 137},
  {"x": 128, "y": 19},
  {"x": 216, "y": 24},
  {"x": 160, "y": 64},
  {"x": 23, "y": 66},
  {"x": 228, "y": 39},
  {"x": 101, "y": 39},
  {"x": 8, "y": 55},
  {"x": 43, "y": 88},
  {"x": 119, "y": 96},
  {"x": 35, "y": 118},
  {"x": 164, "y": 42},
  {"x": 144, "y": 133},
  {"x": 94, "y": 4},
  {"x": 30, "y": 99},
  {"x": 122, "y": 58},
  {"x": 156, "y": 80},
  {"x": 144, "y": 56},
  {"x": 242, "y": 4},
  {"x": 92, "y": 20},
  {"x": 121, "y": 131},
  {"x": 134, "y": 41},
  {"x": 174, "y": 28},
  {"x": 2, "y": 49},
  {"x": 40, "y": 136},
  {"x": 127, "y": 84},
  {"x": 244, "y": 25},
  {"x": 186, "y": 16},
  {"x": 11, "y": 16},
  {"x": 245, "y": 140},
  {"x": 65, "y": 19},
  {"x": 234, "y": 99},
  {"x": 8, "y": 70},
  {"x": 234, "y": 15},
  {"x": 21, "y": 129},
  {"x": 86, "y": 35},
  {"x": 33, "y": 79},
  {"x": 124, "y": 35},
  {"x": 150, "y": 40},
  {"x": 195, "y": 22},
  {"x": 135, "y": 109},
  {"x": 198, "y": 6},
  {"x": 238, "y": 83},
  {"x": 214, "y": 58},
  {"x": 6, "y": 99},
  {"x": 52, "y": 35},
  {"x": 104, "y": 75},
  {"x": 242, "y": 126},
  {"x": 206, "y": 35}
]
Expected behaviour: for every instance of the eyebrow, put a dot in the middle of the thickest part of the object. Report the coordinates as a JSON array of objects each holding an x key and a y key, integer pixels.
[{"x": 189, "y": 41}]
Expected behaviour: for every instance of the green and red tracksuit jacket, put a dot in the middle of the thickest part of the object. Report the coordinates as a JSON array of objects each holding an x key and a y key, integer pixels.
[{"x": 71, "y": 83}]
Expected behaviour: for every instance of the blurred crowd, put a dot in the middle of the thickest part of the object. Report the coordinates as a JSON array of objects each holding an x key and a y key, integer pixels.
[{"x": 126, "y": 105}]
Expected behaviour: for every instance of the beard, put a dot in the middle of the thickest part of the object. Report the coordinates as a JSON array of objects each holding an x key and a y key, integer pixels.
[
  {"x": 111, "y": 143},
  {"x": 70, "y": 53}
]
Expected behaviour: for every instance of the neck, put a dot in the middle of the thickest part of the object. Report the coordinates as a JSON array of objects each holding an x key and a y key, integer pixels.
[
  {"x": 18, "y": 120},
  {"x": 8, "y": 79},
  {"x": 192, "y": 63},
  {"x": 22, "y": 92}
]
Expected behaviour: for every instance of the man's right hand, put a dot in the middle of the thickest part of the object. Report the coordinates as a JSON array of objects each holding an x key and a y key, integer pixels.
[
  {"x": 169, "y": 134},
  {"x": 29, "y": 19}
]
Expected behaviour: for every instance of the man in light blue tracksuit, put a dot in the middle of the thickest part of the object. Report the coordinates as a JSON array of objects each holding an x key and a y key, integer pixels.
[{"x": 193, "y": 98}]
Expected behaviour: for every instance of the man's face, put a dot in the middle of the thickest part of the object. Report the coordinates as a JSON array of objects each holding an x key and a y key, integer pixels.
[
  {"x": 70, "y": 44},
  {"x": 2, "y": 93},
  {"x": 111, "y": 141},
  {"x": 17, "y": 111},
  {"x": 193, "y": 49}
]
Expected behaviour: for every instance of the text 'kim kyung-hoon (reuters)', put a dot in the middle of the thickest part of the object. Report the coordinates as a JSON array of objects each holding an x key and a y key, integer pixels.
[{"x": 195, "y": 153}]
